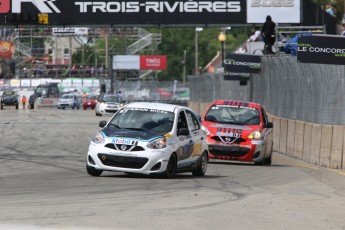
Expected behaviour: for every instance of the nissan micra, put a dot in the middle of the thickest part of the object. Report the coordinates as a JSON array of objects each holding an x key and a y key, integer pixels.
[
  {"x": 149, "y": 138},
  {"x": 238, "y": 131}
]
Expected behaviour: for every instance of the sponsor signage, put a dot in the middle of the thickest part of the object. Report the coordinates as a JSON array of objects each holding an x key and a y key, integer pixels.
[
  {"x": 236, "y": 77},
  {"x": 7, "y": 50},
  {"x": 281, "y": 11},
  {"x": 242, "y": 63},
  {"x": 153, "y": 62},
  {"x": 134, "y": 12},
  {"x": 321, "y": 49},
  {"x": 63, "y": 31},
  {"x": 125, "y": 62},
  {"x": 144, "y": 62}
]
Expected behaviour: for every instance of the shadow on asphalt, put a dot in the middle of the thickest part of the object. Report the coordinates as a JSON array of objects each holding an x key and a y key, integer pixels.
[
  {"x": 177, "y": 176},
  {"x": 245, "y": 164}
]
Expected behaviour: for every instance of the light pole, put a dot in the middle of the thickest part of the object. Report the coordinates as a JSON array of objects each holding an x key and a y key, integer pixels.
[
  {"x": 222, "y": 39},
  {"x": 184, "y": 67},
  {"x": 197, "y": 30}
]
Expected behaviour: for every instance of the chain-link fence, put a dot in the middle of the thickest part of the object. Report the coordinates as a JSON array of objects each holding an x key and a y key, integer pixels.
[{"x": 309, "y": 92}]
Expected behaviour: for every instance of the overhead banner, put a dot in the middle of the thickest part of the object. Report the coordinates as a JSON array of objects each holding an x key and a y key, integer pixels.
[
  {"x": 139, "y": 12},
  {"x": 282, "y": 11},
  {"x": 242, "y": 63},
  {"x": 321, "y": 49}
]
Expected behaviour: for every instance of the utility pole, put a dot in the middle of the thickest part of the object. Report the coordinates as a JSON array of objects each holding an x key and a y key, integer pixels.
[{"x": 184, "y": 67}]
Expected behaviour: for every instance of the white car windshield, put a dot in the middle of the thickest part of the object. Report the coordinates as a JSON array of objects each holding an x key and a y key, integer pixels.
[
  {"x": 111, "y": 98},
  {"x": 233, "y": 115},
  {"x": 143, "y": 120},
  {"x": 67, "y": 96}
]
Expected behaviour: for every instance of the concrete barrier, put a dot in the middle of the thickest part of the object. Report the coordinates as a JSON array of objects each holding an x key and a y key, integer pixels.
[
  {"x": 290, "y": 141},
  {"x": 326, "y": 144},
  {"x": 299, "y": 138},
  {"x": 315, "y": 144},
  {"x": 283, "y": 136},
  {"x": 307, "y": 141},
  {"x": 276, "y": 134},
  {"x": 337, "y": 147}
]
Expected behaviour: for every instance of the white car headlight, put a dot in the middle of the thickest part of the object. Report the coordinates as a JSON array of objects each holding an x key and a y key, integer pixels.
[
  {"x": 206, "y": 131},
  {"x": 159, "y": 143},
  {"x": 98, "y": 139},
  {"x": 255, "y": 135}
]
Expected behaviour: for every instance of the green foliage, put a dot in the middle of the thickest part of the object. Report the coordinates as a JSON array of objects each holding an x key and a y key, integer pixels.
[{"x": 174, "y": 42}]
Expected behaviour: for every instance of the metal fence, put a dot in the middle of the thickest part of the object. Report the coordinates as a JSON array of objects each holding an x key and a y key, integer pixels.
[{"x": 309, "y": 92}]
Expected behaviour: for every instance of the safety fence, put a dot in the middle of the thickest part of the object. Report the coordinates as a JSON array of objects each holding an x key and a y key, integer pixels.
[
  {"x": 309, "y": 92},
  {"x": 306, "y": 103}
]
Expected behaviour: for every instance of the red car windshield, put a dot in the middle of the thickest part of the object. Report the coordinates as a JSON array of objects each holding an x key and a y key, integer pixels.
[{"x": 233, "y": 115}]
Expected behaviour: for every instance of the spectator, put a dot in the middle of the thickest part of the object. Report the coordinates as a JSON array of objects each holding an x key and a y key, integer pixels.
[
  {"x": 23, "y": 101},
  {"x": 25, "y": 72},
  {"x": 331, "y": 10},
  {"x": 256, "y": 36},
  {"x": 342, "y": 33},
  {"x": 268, "y": 33}
]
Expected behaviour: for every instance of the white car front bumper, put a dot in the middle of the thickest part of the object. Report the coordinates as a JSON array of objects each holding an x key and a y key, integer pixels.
[{"x": 147, "y": 161}]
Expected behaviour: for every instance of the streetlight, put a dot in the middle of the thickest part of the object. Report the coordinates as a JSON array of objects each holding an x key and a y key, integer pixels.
[
  {"x": 197, "y": 30},
  {"x": 222, "y": 39}
]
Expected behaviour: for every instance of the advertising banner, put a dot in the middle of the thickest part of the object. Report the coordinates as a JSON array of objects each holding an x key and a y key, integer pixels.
[
  {"x": 153, "y": 62},
  {"x": 286, "y": 11},
  {"x": 25, "y": 83},
  {"x": 321, "y": 49},
  {"x": 15, "y": 83},
  {"x": 7, "y": 50},
  {"x": 134, "y": 12},
  {"x": 73, "y": 31},
  {"x": 242, "y": 63},
  {"x": 236, "y": 77},
  {"x": 125, "y": 62}
]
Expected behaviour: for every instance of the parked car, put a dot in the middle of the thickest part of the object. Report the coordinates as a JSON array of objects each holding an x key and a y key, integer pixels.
[
  {"x": 238, "y": 131},
  {"x": 9, "y": 98},
  {"x": 149, "y": 138},
  {"x": 108, "y": 104},
  {"x": 68, "y": 101},
  {"x": 90, "y": 102}
]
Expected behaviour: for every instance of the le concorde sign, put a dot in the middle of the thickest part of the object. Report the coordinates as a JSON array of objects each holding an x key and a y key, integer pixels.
[
  {"x": 242, "y": 63},
  {"x": 321, "y": 49}
]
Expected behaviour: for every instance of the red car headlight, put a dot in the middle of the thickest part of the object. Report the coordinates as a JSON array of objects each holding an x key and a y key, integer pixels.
[{"x": 255, "y": 135}]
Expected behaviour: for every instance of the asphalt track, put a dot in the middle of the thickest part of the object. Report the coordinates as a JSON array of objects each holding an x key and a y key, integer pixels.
[{"x": 44, "y": 185}]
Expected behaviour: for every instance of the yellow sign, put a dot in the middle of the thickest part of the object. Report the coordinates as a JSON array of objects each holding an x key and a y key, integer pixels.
[{"x": 43, "y": 18}]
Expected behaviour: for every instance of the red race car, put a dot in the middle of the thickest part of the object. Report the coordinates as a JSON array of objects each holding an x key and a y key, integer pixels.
[
  {"x": 238, "y": 131},
  {"x": 90, "y": 102}
]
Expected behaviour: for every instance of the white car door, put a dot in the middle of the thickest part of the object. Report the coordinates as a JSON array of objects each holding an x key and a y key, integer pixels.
[
  {"x": 184, "y": 142},
  {"x": 197, "y": 135}
]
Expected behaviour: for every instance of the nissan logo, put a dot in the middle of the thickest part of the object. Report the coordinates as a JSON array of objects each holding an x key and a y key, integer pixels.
[
  {"x": 227, "y": 139},
  {"x": 123, "y": 147}
]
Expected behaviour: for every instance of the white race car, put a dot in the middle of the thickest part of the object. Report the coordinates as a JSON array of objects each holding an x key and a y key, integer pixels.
[
  {"x": 149, "y": 138},
  {"x": 108, "y": 104}
]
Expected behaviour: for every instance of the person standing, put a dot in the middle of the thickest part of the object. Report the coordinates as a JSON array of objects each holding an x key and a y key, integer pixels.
[
  {"x": 25, "y": 72},
  {"x": 23, "y": 101},
  {"x": 268, "y": 33}
]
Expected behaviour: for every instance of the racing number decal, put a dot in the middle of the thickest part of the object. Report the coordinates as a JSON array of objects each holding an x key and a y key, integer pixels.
[
  {"x": 4, "y": 6},
  {"x": 229, "y": 132}
]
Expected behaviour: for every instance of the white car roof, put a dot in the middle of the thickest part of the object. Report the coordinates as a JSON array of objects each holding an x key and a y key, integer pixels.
[{"x": 155, "y": 105}]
